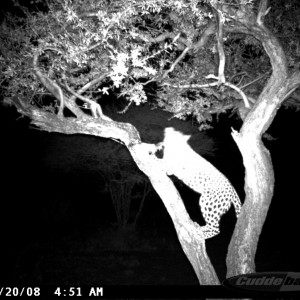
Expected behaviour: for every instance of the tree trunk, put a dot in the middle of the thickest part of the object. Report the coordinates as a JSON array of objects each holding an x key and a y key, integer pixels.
[
  {"x": 189, "y": 233},
  {"x": 259, "y": 186},
  {"x": 259, "y": 175}
]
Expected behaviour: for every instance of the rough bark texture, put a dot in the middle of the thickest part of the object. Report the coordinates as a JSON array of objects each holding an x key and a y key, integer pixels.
[
  {"x": 259, "y": 175},
  {"x": 259, "y": 185}
]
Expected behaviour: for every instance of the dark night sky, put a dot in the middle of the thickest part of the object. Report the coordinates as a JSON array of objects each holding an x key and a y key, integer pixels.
[{"x": 28, "y": 187}]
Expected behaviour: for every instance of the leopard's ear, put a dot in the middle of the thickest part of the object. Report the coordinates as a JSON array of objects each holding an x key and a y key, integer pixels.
[
  {"x": 160, "y": 146},
  {"x": 170, "y": 132},
  {"x": 186, "y": 136}
]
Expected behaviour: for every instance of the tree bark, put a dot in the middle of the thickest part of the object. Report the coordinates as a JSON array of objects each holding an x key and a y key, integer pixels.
[
  {"x": 259, "y": 174},
  {"x": 259, "y": 186}
]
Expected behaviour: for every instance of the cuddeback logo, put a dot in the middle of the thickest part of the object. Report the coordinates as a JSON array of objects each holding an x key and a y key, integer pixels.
[{"x": 265, "y": 282}]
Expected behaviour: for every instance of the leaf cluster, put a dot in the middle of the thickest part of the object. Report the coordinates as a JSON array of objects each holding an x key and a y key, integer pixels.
[{"x": 136, "y": 43}]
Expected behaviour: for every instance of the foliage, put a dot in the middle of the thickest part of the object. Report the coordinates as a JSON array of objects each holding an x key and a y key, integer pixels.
[
  {"x": 285, "y": 25},
  {"x": 137, "y": 43}
]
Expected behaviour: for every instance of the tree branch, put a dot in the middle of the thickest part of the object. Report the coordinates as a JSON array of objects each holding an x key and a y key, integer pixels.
[
  {"x": 49, "y": 84},
  {"x": 95, "y": 107},
  {"x": 262, "y": 12},
  {"x": 207, "y": 85},
  {"x": 179, "y": 58},
  {"x": 222, "y": 58},
  {"x": 162, "y": 37},
  {"x": 210, "y": 30},
  {"x": 89, "y": 85}
]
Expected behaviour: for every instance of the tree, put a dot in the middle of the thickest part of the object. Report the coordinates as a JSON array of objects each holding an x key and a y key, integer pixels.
[{"x": 164, "y": 52}]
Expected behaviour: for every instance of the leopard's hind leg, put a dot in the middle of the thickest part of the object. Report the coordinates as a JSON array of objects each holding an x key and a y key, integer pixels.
[{"x": 212, "y": 208}]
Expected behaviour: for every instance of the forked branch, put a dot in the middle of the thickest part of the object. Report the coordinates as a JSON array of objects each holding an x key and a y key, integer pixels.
[
  {"x": 95, "y": 107},
  {"x": 49, "y": 84}
]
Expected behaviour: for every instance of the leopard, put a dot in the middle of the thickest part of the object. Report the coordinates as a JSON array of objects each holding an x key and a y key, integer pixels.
[{"x": 216, "y": 192}]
